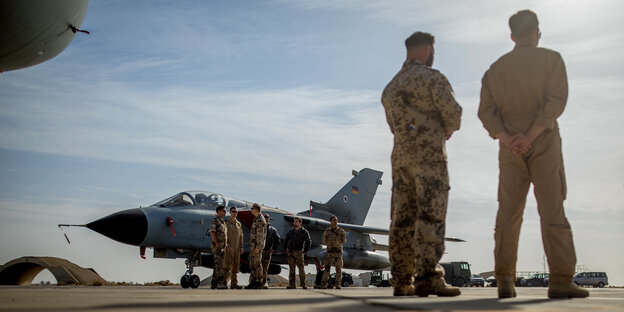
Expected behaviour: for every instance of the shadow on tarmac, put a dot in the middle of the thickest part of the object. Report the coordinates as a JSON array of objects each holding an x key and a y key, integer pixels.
[
  {"x": 486, "y": 304},
  {"x": 243, "y": 304}
]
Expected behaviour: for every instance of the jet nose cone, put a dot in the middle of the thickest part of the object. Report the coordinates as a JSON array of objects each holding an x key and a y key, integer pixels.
[{"x": 127, "y": 226}]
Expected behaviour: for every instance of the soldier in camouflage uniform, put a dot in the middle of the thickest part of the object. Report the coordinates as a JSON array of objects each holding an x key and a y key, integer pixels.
[
  {"x": 218, "y": 233},
  {"x": 257, "y": 236},
  {"x": 234, "y": 250},
  {"x": 422, "y": 113},
  {"x": 333, "y": 237}
]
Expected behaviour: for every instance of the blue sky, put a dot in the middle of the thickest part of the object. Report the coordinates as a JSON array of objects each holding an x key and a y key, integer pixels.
[{"x": 276, "y": 102}]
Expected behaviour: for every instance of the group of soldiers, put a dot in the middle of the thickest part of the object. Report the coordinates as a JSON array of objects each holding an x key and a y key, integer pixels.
[{"x": 264, "y": 240}]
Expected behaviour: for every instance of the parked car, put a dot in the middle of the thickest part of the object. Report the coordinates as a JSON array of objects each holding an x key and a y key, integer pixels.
[
  {"x": 536, "y": 280},
  {"x": 595, "y": 279},
  {"x": 347, "y": 279},
  {"x": 491, "y": 281},
  {"x": 476, "y": 280}
]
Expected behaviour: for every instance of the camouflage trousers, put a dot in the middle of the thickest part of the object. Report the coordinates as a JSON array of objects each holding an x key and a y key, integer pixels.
[
  {"x": 295, "y": 260},
  {"x": 255, "y": 266},
  {"x": 543, "y": 167},
  {"x": 266, "y": 260},
  {"x": 336, "y": 260},
  {"x": 416, "y": 242},
  {"x": 218, "y": 276}
]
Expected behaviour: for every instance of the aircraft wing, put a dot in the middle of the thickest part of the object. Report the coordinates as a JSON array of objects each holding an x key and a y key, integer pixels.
[{"x": 315, "y": 223}]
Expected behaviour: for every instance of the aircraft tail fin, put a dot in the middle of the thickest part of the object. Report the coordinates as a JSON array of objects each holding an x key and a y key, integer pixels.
[{"x": 352, "y": 202}]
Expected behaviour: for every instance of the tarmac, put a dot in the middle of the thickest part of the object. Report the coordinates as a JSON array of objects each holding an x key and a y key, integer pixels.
[{"x": 171, "y": 298}]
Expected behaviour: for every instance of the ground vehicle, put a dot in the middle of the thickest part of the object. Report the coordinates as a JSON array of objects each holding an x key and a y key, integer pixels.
[
  {"x": 380, "y": 279},
  {"x": 491, "y": 281},
  {"x": 596, "y": 279},
  {"x": 456, "y": 273},
  {"x": 347, "y": 279},
  {"x": 536, "y": 280},
  {"x": 476, "y": 280}
]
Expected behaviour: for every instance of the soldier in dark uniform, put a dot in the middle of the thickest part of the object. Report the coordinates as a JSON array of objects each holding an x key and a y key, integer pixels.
[
  {"x": 218, "y": 233},
  {"x": 296, "y": 244},
  {"x": 270, "y": 245},
  {"x": 422, "y": 113},
  {"x": 522, "y": 95},
  {"x": 257, "y": 237},
  {"x": 333, "y": 237}
]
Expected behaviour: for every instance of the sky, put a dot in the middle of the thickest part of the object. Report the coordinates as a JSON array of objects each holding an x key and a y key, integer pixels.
[{"x": 276, "y": 102}]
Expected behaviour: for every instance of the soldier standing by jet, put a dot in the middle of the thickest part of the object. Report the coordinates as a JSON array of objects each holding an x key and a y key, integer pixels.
[
  {"x": 257, "y": 237},
  {"x": 218, "y": 233},
  {"x": 234, "y": 250},
  {"x": 422, "y": 113},
  {"x": 297, "y": 244},
  {"x": 270, "y": 245},
  {"x": 522, "y": 95},
  {"x": 333, "y": 237}
]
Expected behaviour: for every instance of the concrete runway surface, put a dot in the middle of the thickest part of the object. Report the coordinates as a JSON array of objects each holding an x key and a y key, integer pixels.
[{"x": 144, "y": 298}]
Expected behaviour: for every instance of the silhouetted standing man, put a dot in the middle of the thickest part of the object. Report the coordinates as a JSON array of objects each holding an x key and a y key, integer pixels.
[{"x": 522, "y": 95}]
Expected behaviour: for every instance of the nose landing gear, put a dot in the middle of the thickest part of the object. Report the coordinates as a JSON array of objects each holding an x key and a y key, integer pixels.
[{"x": 189, "y": 279}]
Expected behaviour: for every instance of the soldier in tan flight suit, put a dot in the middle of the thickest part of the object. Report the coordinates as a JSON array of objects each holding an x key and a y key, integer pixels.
[
  {"x": 218, "y": 233},
  {"x": 257, "y": 237},
  {"x": 334, "y": 237},
  {"x": 234, "y": 250},
  {"x": 422, "y": 113},
  {"x": 522, "y": 95}
]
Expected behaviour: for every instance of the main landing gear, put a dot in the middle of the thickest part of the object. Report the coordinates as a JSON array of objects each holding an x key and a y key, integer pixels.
[{"x": 189, "y": 279}]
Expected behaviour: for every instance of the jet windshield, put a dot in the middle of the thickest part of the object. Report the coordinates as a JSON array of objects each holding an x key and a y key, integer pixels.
[{"x": 199, "y": 198}]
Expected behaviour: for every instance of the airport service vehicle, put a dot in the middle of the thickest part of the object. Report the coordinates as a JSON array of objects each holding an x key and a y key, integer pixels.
[
  {"x": 476, "y": 280},
  {"x": 380, "y": 279},
  {"x": 347, "y": 279},
  {"x": 595, "y": 279},
  {"x": 536, "y": 280},
  {"x": 456, "y": 273},
  {"x": 178, "y": 227}
]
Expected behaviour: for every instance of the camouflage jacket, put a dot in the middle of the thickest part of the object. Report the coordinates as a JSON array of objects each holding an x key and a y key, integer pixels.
[
  {"x": 218, "y": 227},
  {"x": 334, "y": 238},
  {"x": 257, "y": 234},
  {"x": 422, "y": 112}
]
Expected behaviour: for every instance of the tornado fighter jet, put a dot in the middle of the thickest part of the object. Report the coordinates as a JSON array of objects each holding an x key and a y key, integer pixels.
[{"x": 178, "y": 227}]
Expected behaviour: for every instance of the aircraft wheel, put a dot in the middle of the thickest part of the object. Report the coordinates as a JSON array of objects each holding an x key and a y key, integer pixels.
[
  {"x": 194, "y": 281},
  {"x": 185, "y": 281}
]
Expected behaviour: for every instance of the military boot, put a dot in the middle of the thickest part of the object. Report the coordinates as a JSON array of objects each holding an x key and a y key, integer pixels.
[
  {"x": 506, "y": 287},
  {"x": 437, "y": 287},
  {"x": 404, "y": 290},
  {"x": 561, "y": 286},
  {"x": 291, "y": 286},
  {"x": 304, "y": 286}
]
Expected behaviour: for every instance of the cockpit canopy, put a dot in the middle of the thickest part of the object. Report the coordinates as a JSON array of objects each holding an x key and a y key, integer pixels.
[{"x": 201, "y": 199}]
